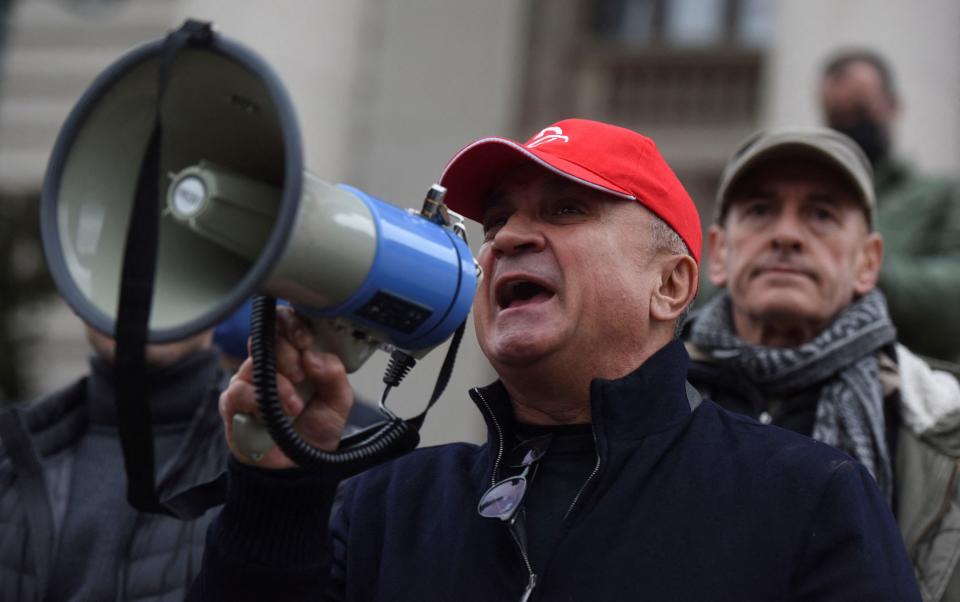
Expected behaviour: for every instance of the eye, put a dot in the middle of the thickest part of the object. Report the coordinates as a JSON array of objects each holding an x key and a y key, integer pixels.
[
  {"x": 569, "y": 210},
  {"x": 823, "y": 213},
  {"x": 756, "y": 209},
  {"x": 567, "y": 207},
  {"x": 492, "y": 223}
]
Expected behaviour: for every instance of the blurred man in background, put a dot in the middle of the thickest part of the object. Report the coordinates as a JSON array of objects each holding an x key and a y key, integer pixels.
[
  {"x": 66, "y": 529},
  {"x": 918, "y": 216},
  {"x": 800, "y": 336}
]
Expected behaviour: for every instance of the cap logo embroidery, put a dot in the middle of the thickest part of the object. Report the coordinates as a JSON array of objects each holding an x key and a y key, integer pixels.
[{"x": 550, "y": 134}]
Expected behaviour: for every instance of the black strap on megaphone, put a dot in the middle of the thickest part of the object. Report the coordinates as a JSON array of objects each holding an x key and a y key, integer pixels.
[
  {"x": 133, "y": 313},
  {"x": 367, "y": 448}
]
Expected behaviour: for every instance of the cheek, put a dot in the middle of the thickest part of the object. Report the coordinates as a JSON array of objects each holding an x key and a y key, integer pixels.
[
  {"x": 605, "y": 270},
  {"x": 617, "y": 288},
  {"x": 738, "y": 264},
  {"x": 479, "y": 328},
  {"x": 485, "y": 259},
  {"x": 841, "y": 267}
]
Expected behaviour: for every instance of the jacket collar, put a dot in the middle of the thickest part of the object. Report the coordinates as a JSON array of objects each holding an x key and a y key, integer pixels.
[
  {"x": 176, "y": 391},
  {"x": 930, "y": 401},
  {"x": 649, "y": 400}
]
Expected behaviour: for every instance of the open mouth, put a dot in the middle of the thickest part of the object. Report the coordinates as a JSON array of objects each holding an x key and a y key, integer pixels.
[{"x": 517, "y": 293}]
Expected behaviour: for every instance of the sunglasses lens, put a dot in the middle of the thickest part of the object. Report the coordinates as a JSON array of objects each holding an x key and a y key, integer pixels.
[{"x": 501, "y": 500}]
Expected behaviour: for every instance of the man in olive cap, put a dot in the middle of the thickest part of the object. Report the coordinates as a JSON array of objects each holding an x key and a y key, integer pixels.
[{"x": 801, "y": 336}]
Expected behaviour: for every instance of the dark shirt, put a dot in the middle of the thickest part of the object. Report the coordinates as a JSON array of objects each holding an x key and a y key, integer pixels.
[{"x": 559, "y": 476}]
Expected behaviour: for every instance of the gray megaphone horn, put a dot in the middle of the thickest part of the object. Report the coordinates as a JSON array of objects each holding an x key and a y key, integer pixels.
[{"x": 237, "y": 214}]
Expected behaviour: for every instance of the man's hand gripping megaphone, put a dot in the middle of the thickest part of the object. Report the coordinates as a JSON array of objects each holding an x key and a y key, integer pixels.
[{"x": 319, "y": 420}]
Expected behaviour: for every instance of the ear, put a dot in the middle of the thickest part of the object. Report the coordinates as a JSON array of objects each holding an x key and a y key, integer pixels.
[
  {"x": 867, "y": 270},
  {"x": 675, "y": 289},
  {"x": 717, "y": 255}
]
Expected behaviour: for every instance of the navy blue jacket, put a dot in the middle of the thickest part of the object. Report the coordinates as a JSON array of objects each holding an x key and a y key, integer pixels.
[{"x": 708, "y": 506}]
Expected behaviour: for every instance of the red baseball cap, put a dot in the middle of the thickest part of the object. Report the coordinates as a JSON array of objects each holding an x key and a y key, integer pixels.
[{"x": 606, "y": 157}]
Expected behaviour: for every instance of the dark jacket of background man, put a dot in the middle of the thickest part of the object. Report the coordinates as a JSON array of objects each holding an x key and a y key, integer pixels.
[{"x": 66, "y": 530}]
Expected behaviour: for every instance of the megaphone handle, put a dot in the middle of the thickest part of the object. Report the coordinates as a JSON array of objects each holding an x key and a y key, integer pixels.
[
  {"x": 392, "y": 437},
  {"x": 330, "y": 336},
  {"x": 395, "y": 434},
  {"x": 253, "y": 438}
]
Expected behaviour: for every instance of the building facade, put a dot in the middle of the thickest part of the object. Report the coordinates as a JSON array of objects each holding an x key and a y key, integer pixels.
[{"x": 388, "y": 90}]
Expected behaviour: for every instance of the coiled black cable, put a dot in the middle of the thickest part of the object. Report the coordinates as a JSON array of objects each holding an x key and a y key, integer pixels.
[
  {"x": 399, "y": 365},
  {"x": 262, "y": 346}
]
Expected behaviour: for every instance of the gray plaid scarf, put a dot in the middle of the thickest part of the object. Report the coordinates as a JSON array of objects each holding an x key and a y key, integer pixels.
[{"x": 842, "y": 359}]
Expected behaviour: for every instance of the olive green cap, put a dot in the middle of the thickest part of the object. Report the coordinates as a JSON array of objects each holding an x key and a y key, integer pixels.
[{"x": 803, "y": 143}]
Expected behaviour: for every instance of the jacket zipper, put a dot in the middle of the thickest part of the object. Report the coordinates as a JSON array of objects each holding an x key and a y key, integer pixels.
[
  {"x": 593, "y": 474},
  {"x": 531, "y": 576},
  {"x": 496, "y": 423}
]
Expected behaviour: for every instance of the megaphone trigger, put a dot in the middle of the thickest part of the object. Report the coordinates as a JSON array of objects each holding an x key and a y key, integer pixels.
[{"x": 250, "y": 437}]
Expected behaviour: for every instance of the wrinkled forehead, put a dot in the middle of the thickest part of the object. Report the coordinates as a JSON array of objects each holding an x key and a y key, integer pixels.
[
  {"x": 819, "y": 177},
  {"x": 816, "y": 181}
]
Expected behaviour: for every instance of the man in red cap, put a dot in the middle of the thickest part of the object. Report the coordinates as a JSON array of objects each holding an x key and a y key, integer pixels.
[{"x": 605, "y": 476}]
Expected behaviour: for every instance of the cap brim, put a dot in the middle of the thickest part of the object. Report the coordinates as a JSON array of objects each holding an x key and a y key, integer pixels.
[
  {"x": 473, "y": 173},
  {"x": 789, "y": 149}
]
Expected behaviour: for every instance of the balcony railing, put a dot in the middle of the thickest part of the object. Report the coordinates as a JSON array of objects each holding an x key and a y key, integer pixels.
[{"x": 670, "y": 87}]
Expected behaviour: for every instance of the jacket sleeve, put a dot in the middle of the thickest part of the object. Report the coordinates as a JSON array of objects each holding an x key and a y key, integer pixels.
[
  {"x": 923, "y": 289},
  {"x": 272, "y": 541},
  {"x": 854, "y": 550}
]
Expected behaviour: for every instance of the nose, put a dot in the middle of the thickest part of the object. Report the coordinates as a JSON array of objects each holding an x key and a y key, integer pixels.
[
  {"x": 787, "y": 234},
  {"x": 519, "y": 234}
]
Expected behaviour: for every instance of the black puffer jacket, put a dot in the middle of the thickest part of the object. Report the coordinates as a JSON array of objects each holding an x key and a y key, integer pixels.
[{"x": 152, "y": 557}]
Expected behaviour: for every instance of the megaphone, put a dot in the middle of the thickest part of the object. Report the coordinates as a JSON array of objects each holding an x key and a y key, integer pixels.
[{"x": 238, "y": 212}]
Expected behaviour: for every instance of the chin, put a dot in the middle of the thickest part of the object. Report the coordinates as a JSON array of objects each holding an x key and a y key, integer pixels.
[
  {"x": 516, "y": 349},
  {"x": 788, "y": 308}
]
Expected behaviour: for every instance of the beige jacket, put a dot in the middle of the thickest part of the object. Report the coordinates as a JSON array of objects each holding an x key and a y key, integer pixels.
[{"x": 927, "y": 467}]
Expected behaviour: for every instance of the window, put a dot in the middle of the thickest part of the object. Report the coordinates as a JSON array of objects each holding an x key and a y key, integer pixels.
[{"x": 684, "y": 23}]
